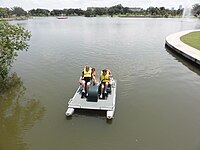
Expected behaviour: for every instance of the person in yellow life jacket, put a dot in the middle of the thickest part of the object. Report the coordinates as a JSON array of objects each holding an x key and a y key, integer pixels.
[
  {"x": 105, "y": 80},
  {"x": 85, "y": 80}
]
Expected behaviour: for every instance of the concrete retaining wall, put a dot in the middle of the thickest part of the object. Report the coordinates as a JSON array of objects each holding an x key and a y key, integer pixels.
[{"x": 174, "y": 42}]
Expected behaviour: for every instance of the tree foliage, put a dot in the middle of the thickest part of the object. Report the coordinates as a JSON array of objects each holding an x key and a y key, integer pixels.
[
  {"x": 163, "y": 12},
  {"x": 99, "y": 11},
  {"x": 18, "y": 11},
  {"x": 39, "y": 12},
  {"x": 196, "y": 10},
  {"x": 56, "y": 12},
  {"x": 13, "y": 38},
  {"x": 67, "y": 12},
  {"x": 5, "y": 13},
  {"x": 89, "y": 13}
]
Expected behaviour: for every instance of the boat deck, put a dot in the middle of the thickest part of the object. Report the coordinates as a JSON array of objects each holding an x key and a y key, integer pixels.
[{"x": 101, "y": 104}]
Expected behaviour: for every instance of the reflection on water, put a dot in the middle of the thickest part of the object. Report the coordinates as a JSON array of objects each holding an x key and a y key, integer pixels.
[
  {"x": 17, "y": 114},
  {"x": 189, "y": 64}
]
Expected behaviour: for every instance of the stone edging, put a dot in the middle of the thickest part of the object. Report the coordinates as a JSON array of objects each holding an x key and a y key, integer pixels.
[{"x": 174, "y": 42}]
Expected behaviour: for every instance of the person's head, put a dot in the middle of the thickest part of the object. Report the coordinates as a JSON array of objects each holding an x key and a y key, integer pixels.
[
  {"x": 93, "y": 69},
  {"x": 87, "y": 68},
  {"x": 104, "y": 72}
]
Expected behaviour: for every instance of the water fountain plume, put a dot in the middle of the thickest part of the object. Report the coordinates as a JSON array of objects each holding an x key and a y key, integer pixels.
[{"x": 187, "y": 12}]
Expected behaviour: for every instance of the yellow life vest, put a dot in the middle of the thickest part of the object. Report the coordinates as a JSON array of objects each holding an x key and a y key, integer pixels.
[
  {"x": 105, "y": 78},
  {"x": 87, "y": 73}
]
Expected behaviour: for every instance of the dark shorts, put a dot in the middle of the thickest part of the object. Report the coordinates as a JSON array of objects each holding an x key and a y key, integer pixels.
[{"x": 87, "y": 79}]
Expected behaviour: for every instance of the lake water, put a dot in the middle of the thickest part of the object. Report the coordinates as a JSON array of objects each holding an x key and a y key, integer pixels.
[{"x": 158, "y": 96}]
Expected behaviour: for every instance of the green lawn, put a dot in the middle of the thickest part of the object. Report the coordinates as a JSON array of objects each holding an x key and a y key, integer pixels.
[{"x": 192, "y": 39}]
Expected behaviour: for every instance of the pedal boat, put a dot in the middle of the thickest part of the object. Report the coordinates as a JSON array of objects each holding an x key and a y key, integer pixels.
[{"x": 93, "y": 101}]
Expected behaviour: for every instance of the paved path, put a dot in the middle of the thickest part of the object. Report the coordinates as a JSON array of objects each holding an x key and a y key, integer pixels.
[{"x": 174, "y": 42}]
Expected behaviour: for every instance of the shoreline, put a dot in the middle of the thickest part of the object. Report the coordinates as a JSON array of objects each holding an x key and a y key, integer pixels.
[
  {"x": 149, "y": 16},
  {"x": 174, "y": 42},
  {"x": 15, "y": 18},
  {"x": 120, "y": 16}
]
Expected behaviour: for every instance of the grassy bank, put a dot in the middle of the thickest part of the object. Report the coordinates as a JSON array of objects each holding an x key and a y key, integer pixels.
[{"x": 192, "y": 39}]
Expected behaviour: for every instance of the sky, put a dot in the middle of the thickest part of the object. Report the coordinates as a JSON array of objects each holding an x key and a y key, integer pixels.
[{"x": 83, "y": 4}]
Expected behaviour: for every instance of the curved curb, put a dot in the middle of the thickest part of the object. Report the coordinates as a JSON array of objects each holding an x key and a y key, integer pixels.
[{"x": 174, "y": 42}]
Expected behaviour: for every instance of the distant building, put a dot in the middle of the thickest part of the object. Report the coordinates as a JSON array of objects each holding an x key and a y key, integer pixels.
[
  {"x": 93, "y": 8},
  {"x": 135, "y": 9},
  {"x": 180, "y": 6}
]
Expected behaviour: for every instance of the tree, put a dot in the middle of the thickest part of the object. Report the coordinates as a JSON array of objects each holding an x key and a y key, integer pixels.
[
  {"x": 126, "y": 10},
  {"x": 180, "y": 12},
  {"x": 88, "y": 13},
  {"x": 18, "y": 11},
  {"x": 117, "y": 9},
  {"x": 78, "y": 12},
  {"x": 196, "y": 10},
  {"x": 70, "y": 11},
  {"x": 32, "y": 12},
  {"x": 162, "y": 11},
  {"x": 100, "y": 11},
  {"x": 39, "y": 12},
  {"x": 56, "y": 12},
  {"x": 111, "y": 11},
  {"x": 13, "y": 38},
  {"x": 5, "y": 12}
]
